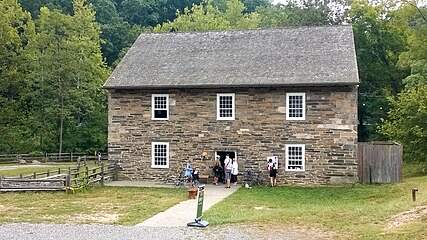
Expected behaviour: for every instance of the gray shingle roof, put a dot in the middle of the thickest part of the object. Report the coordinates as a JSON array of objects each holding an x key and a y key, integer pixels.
[{"x": 265, "y": 57}]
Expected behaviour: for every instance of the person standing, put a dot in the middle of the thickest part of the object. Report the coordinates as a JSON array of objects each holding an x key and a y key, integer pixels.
[
  {"x": 228, "y": 165},
  {"x": 234, "y": 171},
  {"x": 217, "y": 169},
  {"x": 272, "y": 168},
  {"x": 189, "y": 170}
]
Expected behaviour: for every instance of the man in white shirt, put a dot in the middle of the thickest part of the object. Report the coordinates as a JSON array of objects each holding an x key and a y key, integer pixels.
[{"x": 228, "y": 165}]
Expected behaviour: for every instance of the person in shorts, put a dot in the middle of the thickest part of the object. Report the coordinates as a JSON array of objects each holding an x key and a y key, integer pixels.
[
  {"x": 189, "y": 170},
  {"x": 228, "y": 166},
  {"x": 272, "y": 168}
]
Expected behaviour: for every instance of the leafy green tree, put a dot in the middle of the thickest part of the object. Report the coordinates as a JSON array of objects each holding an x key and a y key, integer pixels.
[
  {"x": 298, "y": 13},
  {"x": 406, "y": 122},
  {"x": 68, "y": 72},
  {"x": 17, "y": 30},
  {"x": 206, "y": 16},
  {"x": 33, "y": 6},
  {"x": 379, "y": 39}
]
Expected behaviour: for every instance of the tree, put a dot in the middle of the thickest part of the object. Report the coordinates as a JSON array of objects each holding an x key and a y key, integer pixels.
[
  {"x": 206, "y": 16},
  {"x": 406, "y": 122},
  {"x": 17, "y": 30},
  {"x": 67, "y": 74},
  {"x": 379, "y": 39},
  {"x": 299, "y": 13}
]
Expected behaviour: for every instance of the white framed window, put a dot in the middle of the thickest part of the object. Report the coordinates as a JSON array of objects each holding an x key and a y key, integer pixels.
[
  {"x": 160, "y": 106},
  {"x": 160, "y": 155},
  {"x": 295, "y": 157},
  {"x": 295, "y": 106},
  {"x": 225, "y": 109}
]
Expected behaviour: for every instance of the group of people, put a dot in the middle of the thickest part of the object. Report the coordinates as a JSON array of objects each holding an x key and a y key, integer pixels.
[
  {"x": 190, "y": 173},
  {"x": 228, "y": 172}
]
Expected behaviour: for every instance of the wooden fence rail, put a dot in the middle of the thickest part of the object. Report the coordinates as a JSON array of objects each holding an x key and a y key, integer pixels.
[
  {"x": 61, "y": 179},
  {"x": 49, "y": 157},
  {"x": 380, "y": 162}
]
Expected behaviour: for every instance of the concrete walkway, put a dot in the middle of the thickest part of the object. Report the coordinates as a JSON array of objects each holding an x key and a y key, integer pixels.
[{"x": 184, "y": 212}]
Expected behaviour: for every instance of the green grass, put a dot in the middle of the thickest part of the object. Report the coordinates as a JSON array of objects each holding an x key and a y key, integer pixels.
[
  {"x": 359, "y": 211},
  {"x": 29, "y": 169},
  {"x": 111, "y": 205}
]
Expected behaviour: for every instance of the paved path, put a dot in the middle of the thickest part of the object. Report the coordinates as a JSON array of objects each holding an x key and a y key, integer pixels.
[{"x": 184, "y": 212}]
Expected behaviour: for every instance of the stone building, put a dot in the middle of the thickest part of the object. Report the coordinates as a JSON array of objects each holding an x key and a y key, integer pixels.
[{"x": 290, "y": 93}]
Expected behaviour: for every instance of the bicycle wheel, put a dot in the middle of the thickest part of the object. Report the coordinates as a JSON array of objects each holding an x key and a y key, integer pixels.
[{"x": 177, "y": 184}]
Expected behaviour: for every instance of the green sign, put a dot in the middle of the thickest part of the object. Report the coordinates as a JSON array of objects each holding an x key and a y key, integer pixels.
[{"x": 200, "y": 195}]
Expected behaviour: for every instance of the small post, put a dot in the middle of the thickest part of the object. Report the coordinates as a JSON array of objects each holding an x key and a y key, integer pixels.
[
  {"x": 414, "y": 194},
  {"x": 68, "y": 181},
  {"x": 87, "y": 173},
  {"x": 370, "y": 174},
  {"x": 102, "y": 174},
  {"x": 47, "y": 173},
  {"x": 59, "y": 170},
  {"x": 115, "y": 171},
  {"x": 20, "y": 176},
  {"x": 34, "y": 175}
]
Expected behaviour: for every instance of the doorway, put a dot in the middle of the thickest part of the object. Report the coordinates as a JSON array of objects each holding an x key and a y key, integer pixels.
[{"x": 222, "y": 155}]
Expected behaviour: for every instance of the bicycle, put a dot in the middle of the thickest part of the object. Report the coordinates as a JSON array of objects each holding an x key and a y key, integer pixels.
[
  {"x": 253, "y": 179},
  {"x": 184, "y": 181}
]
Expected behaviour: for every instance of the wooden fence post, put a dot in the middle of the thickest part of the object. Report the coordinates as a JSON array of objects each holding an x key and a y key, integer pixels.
[
  {"x": 34, "y": 175},
  {"x": 87, "y": 174},
  {"x": 47, "y": 173},
  {"x": 102, "y": 174},
  {"x": 115, "y": 171},
  {"x": 68, "y": 181},
  {"x": 59, "y": 171}
]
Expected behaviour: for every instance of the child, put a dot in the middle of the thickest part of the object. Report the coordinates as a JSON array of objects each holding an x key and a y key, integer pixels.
[
  {"x": 196, "y": 176},
  {"x": 272, "y": 168}
]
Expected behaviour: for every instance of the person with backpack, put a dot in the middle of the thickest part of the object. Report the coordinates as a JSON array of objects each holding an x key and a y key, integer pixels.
[
  {"x": 217, "y": 170},
  {"x": 272, "y": 168}
]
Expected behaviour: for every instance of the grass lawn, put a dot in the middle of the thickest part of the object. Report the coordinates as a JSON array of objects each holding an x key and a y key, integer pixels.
[
  {"x": 110, "y": 205},
  {"x": 10, "y": 171},
  {"x": 360, "y": 211}
]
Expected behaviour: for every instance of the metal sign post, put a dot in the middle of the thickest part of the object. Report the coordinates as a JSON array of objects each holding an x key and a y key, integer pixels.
[{"x": 198, "y": 222}]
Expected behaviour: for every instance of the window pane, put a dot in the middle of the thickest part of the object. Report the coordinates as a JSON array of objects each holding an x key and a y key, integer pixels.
[
  {"x": 160, "y": 155},
  {"x": 225, "y": 106}
]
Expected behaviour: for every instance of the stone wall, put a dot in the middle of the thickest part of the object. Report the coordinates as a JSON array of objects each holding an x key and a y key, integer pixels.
[{"x": 259, "y": 130}]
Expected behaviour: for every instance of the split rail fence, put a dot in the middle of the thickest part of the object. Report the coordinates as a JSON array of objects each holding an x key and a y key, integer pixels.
[
  {"x": 50, "y": 157},
  {"x": 61, "y": 179}
]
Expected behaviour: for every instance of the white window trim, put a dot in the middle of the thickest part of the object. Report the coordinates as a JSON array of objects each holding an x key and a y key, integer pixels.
[
  {"x": 287, "y": 106},
  {"x": 152, "y": 155},
  {"x": 233, "y": 111},
  {"x": 287, "y": 157},
  {"x": 153, "y": 103}
]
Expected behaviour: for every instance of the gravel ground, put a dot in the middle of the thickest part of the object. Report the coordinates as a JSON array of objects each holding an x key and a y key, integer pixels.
[{"x": 29, "y": 231}]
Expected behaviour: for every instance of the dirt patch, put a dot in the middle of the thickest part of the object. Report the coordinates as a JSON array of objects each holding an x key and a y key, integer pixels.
[
  {"x": 94, "y": 218},
  {"x": 4, "y": 208},
  {"x": 24, "y": 166},
  {"x": 286, "y": 232},
  {"x": 406, "y": 217}
]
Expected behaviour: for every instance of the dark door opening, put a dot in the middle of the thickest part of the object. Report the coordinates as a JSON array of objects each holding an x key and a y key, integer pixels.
[{"x": 222, "y": 155}]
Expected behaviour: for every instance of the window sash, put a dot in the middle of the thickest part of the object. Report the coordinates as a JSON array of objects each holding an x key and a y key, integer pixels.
[
  {"x": 226, "y": 106},
  {"x": 295, "y": 106},
  {"x": 295, "y": 157},
  {"x": 160, "y": 106},
  {"x": 160, "y": 155}
]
